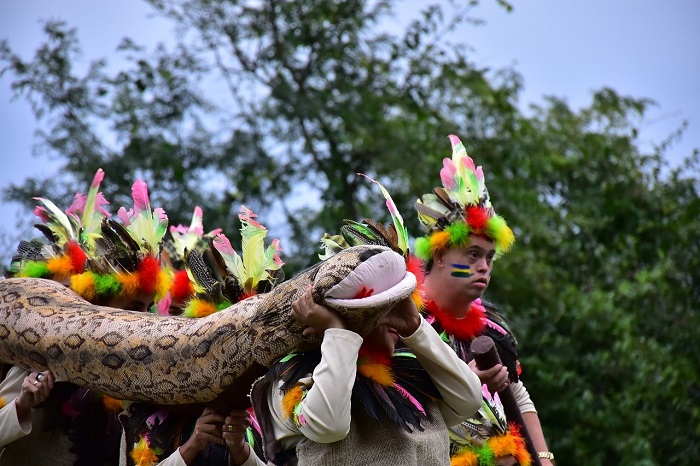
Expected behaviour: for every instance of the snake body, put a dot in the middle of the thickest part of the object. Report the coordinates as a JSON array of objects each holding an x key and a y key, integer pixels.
[{"x": 178, "y": 360}]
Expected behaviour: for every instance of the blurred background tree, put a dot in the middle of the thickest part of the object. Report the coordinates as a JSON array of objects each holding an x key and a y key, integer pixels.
[{"x": 278, "y": 104}]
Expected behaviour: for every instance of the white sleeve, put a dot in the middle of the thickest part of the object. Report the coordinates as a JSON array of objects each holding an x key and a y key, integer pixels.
[
  {"x": 252, "y": 460},
  {"x": 175, "y": 459},
  {"x": 10, "y": 388},
  {"x": 522, "y": 397},
  {"x": 457, "y": 383},
  {"x": 325, "y": 411}
]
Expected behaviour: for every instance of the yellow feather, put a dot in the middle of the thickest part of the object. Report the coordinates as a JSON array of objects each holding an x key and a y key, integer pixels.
[
  {"x": 291, "y": 399},
  {"x": 380, "y": 373}
]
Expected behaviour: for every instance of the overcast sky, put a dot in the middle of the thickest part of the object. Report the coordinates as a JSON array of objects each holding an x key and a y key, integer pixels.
[{"x": 567, "y": 48}]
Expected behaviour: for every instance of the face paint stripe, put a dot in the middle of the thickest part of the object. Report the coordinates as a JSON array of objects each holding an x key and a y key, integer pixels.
[
  {"x": 461, "y": 266},
  {"x": 461, "y": 270}
]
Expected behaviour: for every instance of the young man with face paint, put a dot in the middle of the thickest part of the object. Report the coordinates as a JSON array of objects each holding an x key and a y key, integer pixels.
[{"x": 464, "y": 237}]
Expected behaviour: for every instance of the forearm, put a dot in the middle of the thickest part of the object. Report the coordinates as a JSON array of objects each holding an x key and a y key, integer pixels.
[
  {"x": 11, "y": 428},
  {"x": 534, "y": 428},
  {"x": 15, "y": 420}
]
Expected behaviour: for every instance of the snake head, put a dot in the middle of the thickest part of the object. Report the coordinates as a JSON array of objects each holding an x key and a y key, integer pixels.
[{"x": 362, "y": 283}]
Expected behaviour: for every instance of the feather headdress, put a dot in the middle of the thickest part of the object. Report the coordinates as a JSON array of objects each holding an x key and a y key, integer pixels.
[
  {"x": 182, "y": 239},
  {"x": 369, "y": 231},
  {"x": 222, "y": 277},
  {"x": 71, "y": 235},
  {"x": 126, "y": 256},
  {"x": 487, "y": 437},
  {"x": 460, "y": 208}
]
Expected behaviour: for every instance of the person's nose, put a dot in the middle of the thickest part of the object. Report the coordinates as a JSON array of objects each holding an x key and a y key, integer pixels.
[{"x": 482, "y": 265}]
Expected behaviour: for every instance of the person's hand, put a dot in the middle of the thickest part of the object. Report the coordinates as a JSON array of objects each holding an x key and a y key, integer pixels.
[
  {"x": 234, "y": 430},
  {"x": 403, "y": 317},
  {"x": 315, "y": 317},
  {"x": 35, "y": 389},
  {"x": 206, "y": 429},
  {"x": 496, "y": 378}
]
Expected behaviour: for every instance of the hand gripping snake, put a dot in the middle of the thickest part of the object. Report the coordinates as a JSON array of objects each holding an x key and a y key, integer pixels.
[{"x": 182, "y": 361}]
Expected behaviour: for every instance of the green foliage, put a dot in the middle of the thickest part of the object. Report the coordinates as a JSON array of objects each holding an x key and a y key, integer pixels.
[{"x": 602, "y": 283}]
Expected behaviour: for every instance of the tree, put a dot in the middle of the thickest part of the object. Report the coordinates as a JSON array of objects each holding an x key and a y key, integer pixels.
[{"x": 317, "y": 91}]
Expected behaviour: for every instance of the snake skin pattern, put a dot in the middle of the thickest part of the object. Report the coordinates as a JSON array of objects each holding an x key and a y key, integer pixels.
[{"x": 174, "y": 360}]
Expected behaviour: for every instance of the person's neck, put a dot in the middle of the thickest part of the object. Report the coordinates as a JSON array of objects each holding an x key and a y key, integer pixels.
[{"x": 455, "y": 306}]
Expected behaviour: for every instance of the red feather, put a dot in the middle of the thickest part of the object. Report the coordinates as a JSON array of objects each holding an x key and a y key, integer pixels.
[
  {"x": 477, "y": 217},
  {"x": 148, "y": 273},
  {"x": 464, "y": 328},
  {"x": 77, "y": 256},
  {"x": 182, "y": 287}
]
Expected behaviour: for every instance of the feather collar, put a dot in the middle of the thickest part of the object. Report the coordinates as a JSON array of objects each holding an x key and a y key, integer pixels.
[{"x": 464, "y": 328}]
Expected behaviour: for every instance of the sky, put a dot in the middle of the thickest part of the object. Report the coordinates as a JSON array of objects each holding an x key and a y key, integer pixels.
[{"x": 565, "y": 48}]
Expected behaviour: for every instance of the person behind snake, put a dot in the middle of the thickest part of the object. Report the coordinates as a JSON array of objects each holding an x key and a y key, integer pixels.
[
  {"x": 55, "y": 424},
  {"x": 385, "y": 398},
  {"x": 464, "y": 237},
  {"x": 155, "y": 434}
]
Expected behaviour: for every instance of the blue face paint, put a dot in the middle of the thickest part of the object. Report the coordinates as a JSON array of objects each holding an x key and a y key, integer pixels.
[{"x": 461, "y": 270}]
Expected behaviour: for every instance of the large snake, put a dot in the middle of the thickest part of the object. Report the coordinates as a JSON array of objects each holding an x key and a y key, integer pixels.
[{"x": 178, "y": 360}]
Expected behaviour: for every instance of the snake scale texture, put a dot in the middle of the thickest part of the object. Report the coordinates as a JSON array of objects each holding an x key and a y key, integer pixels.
[{"x": 178, "y": 360}]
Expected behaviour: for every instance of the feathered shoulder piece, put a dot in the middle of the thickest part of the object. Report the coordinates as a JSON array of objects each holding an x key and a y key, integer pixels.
[
  {"x": 222, "y": 277},
  {"x": 487, "y": 437},
  {"x": 460, "y": 208},
  {"x": 392, "y": 386},
  {"x": 145, "y": 226},
  {"x": 71, "y": 236}
]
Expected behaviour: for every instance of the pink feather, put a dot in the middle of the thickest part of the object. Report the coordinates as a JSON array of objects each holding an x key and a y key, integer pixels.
[
  {"x": 197, "y": 225},
  {"x": 139, "y": 192},
  {"x": 163, "y": 306},
  {"x": 247, "y": 215},
  {"x": 125, "y": 216},
  {"x": 157, "y": 418},
  {"x": 78, "y": 204},
  {"x": 469, "y": 163},
  {"x": 447, "y": 174},
  {"x": 99, "y": 202},
  {"x": 409, "y": 397},
  {"x": 41, "y": 213},
  {"x": 160, "y": 213},
  {"x": 223, "y": 245},
  {"x": 97, "y": 179},
  {"x": 278, "y": 259}
]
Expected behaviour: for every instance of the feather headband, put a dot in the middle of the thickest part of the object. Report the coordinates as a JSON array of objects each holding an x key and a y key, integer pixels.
[
  {"x": 71, "y": 236},
  {"x": 222, "y": 277},
  {"x": 460, "y": 208},
  {"x": 98, "y": 257},
  {"x": 482, "y": 440}
]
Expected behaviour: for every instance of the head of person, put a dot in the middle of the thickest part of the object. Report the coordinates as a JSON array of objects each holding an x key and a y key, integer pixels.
[
  {"x": 106, "y": 262},
  {"x": 464, "y": 235}
]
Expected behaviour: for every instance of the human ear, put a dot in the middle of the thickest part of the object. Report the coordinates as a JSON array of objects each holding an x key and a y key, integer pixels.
[{"x": 439, "y": 258}]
